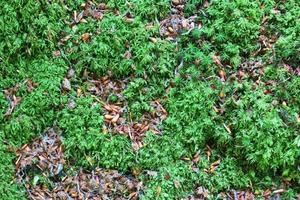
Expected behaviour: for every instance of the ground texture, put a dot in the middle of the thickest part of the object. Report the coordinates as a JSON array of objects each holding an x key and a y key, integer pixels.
[{"x": 153, "y": 99}]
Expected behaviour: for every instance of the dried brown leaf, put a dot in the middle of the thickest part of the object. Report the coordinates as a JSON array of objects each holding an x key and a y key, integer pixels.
[
  {"x": 216, "y": 60},
  {"x": 85, "y": 37}
]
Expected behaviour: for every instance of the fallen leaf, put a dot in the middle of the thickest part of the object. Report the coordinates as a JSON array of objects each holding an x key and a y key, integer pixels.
[
  {"x": 158, "y": 190},
  {"x": 222, "y": 75},
  {"x": 151, "y": 173},
  {"x": 127, "y": 55},
  {"x": 167, "y": 176},
  {"x": 66, "y": 85},
  {"x": 197, "y": 62},
  {"x": 13, "y": 103},
  {"x": 201, "y": 191},
  {"x": 71, "y": 73},
  {"x": 85, "y": 37},
  {"x": 107, "y": 107},
  {"x": 129, "y": 20},
  {"x": 279, "y": 191},
  {"x": 227, "y": 128},
  {"x": 195, "y": 169},
  {"x": 214, "y": 165},
  {"x": 184, "y": 23},
  {"x": 71, "y": 104},
  {"x": 78, "y": 92},
  {"x": 152, "y": 39},
  {"x": 266, "y": 193},
  {"x": 115, "y": 118},
  {"x": 208, "y": 152},
  {"x": 56, "y": 53},
  {"x": 97, "y": 15},
  {"x": 176, "y": 2},
  {"x": 66, "y": 38},
  {"x": 176, "y": 183},
  {"x": 170, "y": 29},
  {"x": 216, "y": 60},
  {"x": 196, "y": 157},
  {"x": 30, "y": 85},
  {"x": 108, "y": 117}
]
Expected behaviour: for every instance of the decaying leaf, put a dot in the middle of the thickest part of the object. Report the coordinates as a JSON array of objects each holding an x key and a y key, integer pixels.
[
  {"x": 66, "y": 85},
  {"x": 152, "y": 39},
  {"x": 176, "y": 183},
  {"x": 214, "y": 165},
  {"x": 222, "y": 75},
  {"x": 56, "y": 53},
  {"x": 196, "y": 157},
  {"x": 158, "y": 191},
  {"x": 85, "y": 37},
  {"x": 127, "y": 55},
  {"x": 30, "y": 85},
  {"x": 64, "y": 39},
  {"x": 45, "y": 153},
  {"x": 216, "y": 60},
  {"x": 115, "y": 119}
]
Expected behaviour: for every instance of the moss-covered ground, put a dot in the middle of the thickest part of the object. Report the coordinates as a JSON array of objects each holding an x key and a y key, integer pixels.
[{"x": 230, "y": 87}]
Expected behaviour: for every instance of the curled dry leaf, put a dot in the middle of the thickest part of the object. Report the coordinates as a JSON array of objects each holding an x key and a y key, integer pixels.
[
  {"x": 208, "y": 152},
  {"x": 85, "y": 37},
  {"x": 214, "y": 165},
  {"x": 216, "y": 60},
  {"x": 196, "y": 157},
  {"x": 227, "y": 128},
  {"x": 222, "y": 75},
  {"x": 115, "y": 118}
]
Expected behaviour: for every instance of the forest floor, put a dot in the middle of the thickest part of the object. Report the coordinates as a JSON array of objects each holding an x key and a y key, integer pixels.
[{"x": 130, "y": 99}]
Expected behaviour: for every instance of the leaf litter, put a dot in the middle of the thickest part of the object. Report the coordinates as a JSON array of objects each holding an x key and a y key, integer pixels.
[
  {"x": 11, "y": 95},
  {"x": 117, "y": 116},
  {"x": 43, "y": 159},
  {"x": 176, "y": 23}
]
